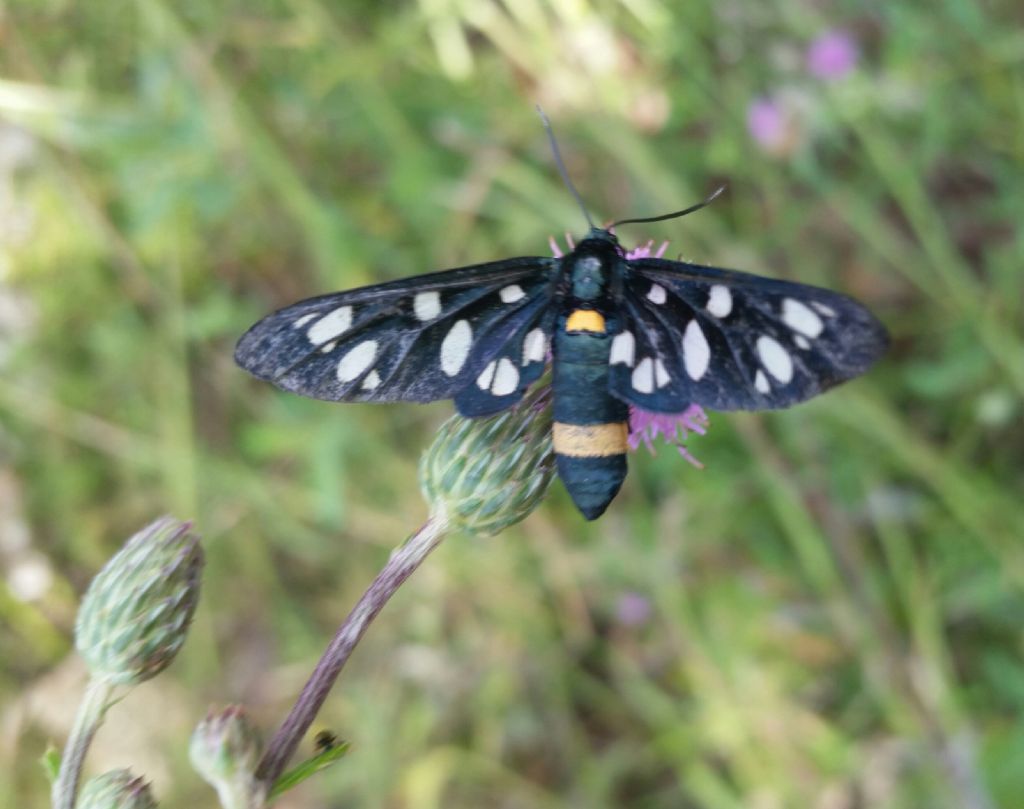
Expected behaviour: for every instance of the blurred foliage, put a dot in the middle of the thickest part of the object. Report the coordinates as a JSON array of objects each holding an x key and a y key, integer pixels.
[{"x": 834, "y": 604}]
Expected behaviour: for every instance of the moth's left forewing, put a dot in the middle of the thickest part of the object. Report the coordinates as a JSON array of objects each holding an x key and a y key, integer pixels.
[
  {"x": 733, "y": 341},
  {"x": 418, "y": 339}
]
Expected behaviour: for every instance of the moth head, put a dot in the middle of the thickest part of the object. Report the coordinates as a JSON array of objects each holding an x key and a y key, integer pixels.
[{"x": 599, "y": 238}]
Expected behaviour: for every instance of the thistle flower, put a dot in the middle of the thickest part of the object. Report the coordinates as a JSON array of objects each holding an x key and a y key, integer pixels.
[
  {"x": 633, "y": 609},
  {"x": 771, "y": 126},
  {"x": 832, "y": 55},
  {"x": 487, "y": 474},
  {"x": 225, "y": 749},
  {"x": 136, "y": 613},
  {"x": 117, "y": 789}
]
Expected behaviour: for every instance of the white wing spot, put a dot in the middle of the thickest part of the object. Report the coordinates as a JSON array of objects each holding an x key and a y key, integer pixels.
[
  {"x": 486, "y": 376},
  {"x": 371, "y": 381},
  {"x": 506, "y": 378},
  {"x": 801, "y": 318},
  {"x": 333, "y": 324},
  {"x": 761, "y": 382},
  {"x": 719, "y": 301},
  {"x": 327, "y": 348},
  {"x": 623, "y": 347},
  {"x": 427, "y": 305},
  {"x": 775, "y": 359},
  {"x": 643, "y": 376},
  {"x": 696, "y": 351},
  {"x": 511, "y": 293},
  {"x": 801, "y": 341},
  {"x": 357, "y": 360},
  {"x": 657, "y": 294},
  {"x": 535, "y": 347},
  {"x": 302, "y": 321},
  {"x": 661, "y": 376},
  {"x": 455, "y": 347},
  {"x": 827, "y": 311}
]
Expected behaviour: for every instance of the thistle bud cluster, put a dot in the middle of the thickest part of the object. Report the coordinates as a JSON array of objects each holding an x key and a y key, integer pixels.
[
  {"x": 486, "y": 474},
  {"x": 117, "y": 789},
  {"x": 225, "y": 749},
  {"x": 136, "y": 613}
]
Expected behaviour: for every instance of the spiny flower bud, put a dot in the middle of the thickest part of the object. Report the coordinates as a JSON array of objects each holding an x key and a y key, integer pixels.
[
  {"x": 135, "y": 615},
  {"x": 225, "y": 750},
  {"x": 117, "y": 789},
  {"x": 489, "y": 473}
]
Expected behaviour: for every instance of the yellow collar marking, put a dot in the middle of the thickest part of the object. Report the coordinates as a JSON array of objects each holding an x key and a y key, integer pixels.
[{"x": 585, "y": 320}]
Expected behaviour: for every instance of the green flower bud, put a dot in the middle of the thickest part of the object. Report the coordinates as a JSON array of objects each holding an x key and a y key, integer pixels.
[
  {"x": 117, "y": 789},
  {"x": 489, "y": 473},
  {"x": 135, "y": 615},
  {"x": 225, "y": 749}
]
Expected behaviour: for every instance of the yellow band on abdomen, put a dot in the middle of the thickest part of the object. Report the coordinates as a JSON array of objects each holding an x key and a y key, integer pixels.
[
  {"x": 585, "y": 320},
  {"x": 590, "y": 440}
]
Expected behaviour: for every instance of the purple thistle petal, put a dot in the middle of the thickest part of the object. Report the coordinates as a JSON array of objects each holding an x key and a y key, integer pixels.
[
  {"x": 644, "y": 250},
  {"x": 557, "y": 251},
  {"x": 674, "y": 428}
]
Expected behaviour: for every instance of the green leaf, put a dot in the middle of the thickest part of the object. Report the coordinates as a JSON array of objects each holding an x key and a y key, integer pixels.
[
  {"x": 50, "y": 762},
  {"x": 298, "y": 774}
]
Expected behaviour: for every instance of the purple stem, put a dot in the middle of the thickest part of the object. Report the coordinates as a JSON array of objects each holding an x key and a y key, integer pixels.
[{"x": 400, "y": 566}]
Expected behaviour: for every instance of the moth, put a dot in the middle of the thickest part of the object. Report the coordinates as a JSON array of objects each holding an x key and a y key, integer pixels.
[{"x": 650, "y": 332}]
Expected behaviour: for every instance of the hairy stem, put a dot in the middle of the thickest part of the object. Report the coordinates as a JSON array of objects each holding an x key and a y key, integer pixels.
[
  {"x": 400, "y": 566},
  {"x": 90, "y": 714}
]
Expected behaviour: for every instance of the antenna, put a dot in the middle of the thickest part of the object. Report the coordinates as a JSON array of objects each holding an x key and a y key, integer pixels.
[
  {"x": 674, "y": 215},
  {"x": 561, "y": 166}
]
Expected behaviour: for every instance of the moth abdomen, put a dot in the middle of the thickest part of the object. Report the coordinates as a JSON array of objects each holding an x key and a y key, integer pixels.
[{"x": 590, "y": 427}]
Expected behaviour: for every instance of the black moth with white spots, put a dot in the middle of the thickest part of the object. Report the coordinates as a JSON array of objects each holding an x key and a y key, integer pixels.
[
  {"x": 481, "y": 334},
  {"x": 649, "y": 332}
]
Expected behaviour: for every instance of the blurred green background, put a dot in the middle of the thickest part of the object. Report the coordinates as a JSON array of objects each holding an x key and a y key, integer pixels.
[{"x": 828, "y": 615}]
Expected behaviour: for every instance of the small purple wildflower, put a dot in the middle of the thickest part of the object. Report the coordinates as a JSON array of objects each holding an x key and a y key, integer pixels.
[
  {"x": 832, "y": 55},
  {"x": 633, "y": 609},
  {"x": 769, "y": 125}
]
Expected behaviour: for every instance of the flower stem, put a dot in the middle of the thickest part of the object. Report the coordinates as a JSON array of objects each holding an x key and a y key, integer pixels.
[
  {"x": 400, "y": 566},
  {"x": 240, "y": 793},
  {"x": 90, "y": 714}
]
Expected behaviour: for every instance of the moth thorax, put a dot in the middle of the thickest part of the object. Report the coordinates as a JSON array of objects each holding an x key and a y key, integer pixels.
[{"x": 588, "y": 278}]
